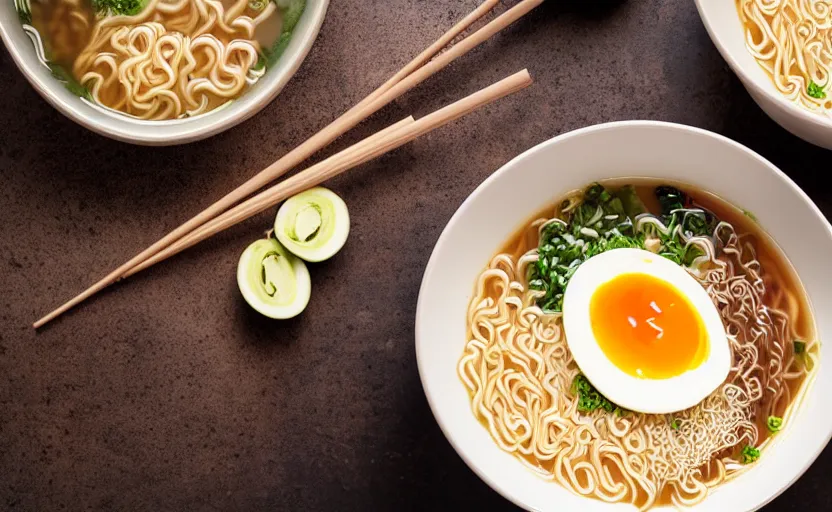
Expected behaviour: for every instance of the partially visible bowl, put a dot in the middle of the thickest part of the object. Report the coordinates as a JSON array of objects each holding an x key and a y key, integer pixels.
[
  {"x": 723, "y": 23},
  {"x": 161, "y": 133},
  {"x": 536, "y": 179}
]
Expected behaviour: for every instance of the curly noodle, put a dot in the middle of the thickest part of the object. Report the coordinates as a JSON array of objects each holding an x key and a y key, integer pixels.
[{"x": 792, "y": 42}]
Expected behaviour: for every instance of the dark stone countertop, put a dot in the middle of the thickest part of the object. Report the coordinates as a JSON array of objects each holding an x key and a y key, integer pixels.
[{"x": 169, "y": 393}]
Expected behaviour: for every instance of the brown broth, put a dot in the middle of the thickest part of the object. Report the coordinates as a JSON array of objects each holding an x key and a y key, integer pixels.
[{"x": 65, "y": 27}]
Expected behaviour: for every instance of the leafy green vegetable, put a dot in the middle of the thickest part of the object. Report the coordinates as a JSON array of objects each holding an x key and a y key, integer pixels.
[
  {"x": 598, "y": 224},
  {"x": 261, "y": 63},
  {"x": 678, "y": 209},
  {"x": 679, "y": 212},
  {"x": 25, "y": 17},
  {"x": 276, "y": 51},
  {"x": 799, "y": 347},
  {"x": 675, "y": 424},
  {"x": 670, "y": 199},
  {"x": 633, "y": 206},
  {"x": 816, "y": 91},
  {"x": 69, "y": 81},
  {"x": 119, "y": 7},
  {"x": 673, "y": 249},
  {"x": 774, "y": 424},
  {"x": 749, "y": 454},
  {"x": 602, "y": 220},
  {"x": 292, "y": 11},
  {"x": 589, "y": 399}
]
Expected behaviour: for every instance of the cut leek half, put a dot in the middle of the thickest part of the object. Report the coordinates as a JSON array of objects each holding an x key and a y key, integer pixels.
[
  {"x": 313, "y": 225},
  {"x": 272, "y": 280}
]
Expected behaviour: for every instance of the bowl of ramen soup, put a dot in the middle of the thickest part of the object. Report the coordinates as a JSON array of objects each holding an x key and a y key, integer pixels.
[
  {"x": 780, "y": 51},
  {"x": 160, "y": 72},
  {"x": 629, "y": 317}
]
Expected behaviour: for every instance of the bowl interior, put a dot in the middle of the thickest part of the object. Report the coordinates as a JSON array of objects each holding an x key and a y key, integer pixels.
[
  {"x": 161, "y": 133},
  {"x": 505, "y": 202}
]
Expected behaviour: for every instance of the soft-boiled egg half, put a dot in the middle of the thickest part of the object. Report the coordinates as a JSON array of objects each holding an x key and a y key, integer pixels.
[{"x": 645, "y": 332}]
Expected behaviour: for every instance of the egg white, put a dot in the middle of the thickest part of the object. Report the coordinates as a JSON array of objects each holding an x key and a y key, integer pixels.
[{"x": 655, "y": 396}]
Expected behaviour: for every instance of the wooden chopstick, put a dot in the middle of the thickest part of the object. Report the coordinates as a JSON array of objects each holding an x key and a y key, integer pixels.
[
  {"x": 373, "y": 147},
  {"x": 420, "y": 74},
  {"x": 378, "y": 99}
]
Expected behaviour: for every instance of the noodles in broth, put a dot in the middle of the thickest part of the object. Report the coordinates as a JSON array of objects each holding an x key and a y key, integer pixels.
[
  {"x": 792, "y": 41},
  {"x": 170, "y": 59},
  {"x": 521, "y": 376}
]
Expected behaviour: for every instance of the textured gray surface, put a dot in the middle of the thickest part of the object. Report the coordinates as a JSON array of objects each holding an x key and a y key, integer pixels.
[{"x": 168, "y": 393}]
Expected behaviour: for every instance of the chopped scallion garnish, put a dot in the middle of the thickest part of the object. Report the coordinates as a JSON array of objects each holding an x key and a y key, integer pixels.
[
  {"x": 816, "y": 91},
  {"x": 749, "y": 454},
  {"x": 589, "y": 399}
]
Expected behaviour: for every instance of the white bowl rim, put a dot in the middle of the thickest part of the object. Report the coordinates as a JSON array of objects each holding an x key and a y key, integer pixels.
[
  {"x": 466, "y": 204},
  {"x": 749, "y": 81},
  {"x": 176, "y": 131}
]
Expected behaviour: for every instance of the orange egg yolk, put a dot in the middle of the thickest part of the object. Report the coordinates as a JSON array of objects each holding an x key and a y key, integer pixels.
[{"x": 646, "y": 327}]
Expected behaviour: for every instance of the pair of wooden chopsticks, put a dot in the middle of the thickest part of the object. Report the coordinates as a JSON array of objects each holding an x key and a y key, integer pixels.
[
  {"x": 376, "y": 145},
  {"x": 218, "y": 216}
]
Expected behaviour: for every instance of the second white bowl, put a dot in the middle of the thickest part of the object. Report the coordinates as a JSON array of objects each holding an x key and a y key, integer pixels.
[
  {"x": 723, "y": 23},
  {"x": 160, "y": 133}
]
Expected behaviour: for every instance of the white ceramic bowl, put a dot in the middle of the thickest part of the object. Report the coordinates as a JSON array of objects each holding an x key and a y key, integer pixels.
[
  {"x": 161, "y": 133},
  {"x": 722, "y": 21},
  {"x": 530, "y": 182}
]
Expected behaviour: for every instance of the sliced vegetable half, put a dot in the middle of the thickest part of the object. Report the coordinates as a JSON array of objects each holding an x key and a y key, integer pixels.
[
  {"x": 313, "y": 225},
  {"x": 272, "y": 280}
]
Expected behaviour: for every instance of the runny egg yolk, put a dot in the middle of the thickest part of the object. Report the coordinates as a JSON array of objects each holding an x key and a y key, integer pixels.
[{"x": 646, "y": 327}]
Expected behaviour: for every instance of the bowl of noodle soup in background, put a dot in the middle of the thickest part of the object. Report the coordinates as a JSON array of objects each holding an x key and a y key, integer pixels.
[
  {"x": 788, "y": 103},
  {"x": 192, "y": 39},
  {"x": 506, "y": 204}
]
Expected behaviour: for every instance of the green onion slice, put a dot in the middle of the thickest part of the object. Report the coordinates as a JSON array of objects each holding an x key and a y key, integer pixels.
[
  {"x": 749, "y": 454},
  {"x": 313, "y": 225},
  {"x": 273, "y": 281}
]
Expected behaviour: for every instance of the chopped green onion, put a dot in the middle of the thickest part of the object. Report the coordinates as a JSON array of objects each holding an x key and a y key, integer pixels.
[
  {"x": 816, "y": 91},
  {"x": 313, "y": 225},
  {"x": 589, "y": 399},
  {"x": 600, "y": 220},
  {"x": 799, "y": 347},
  {"x": 774, "y": 424},
  {"x": 675, "y": 424},
  {"x": 273, "y": 281},
  {"x": 119, "y": 7},
  {"x": 749, "y": 454}
]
